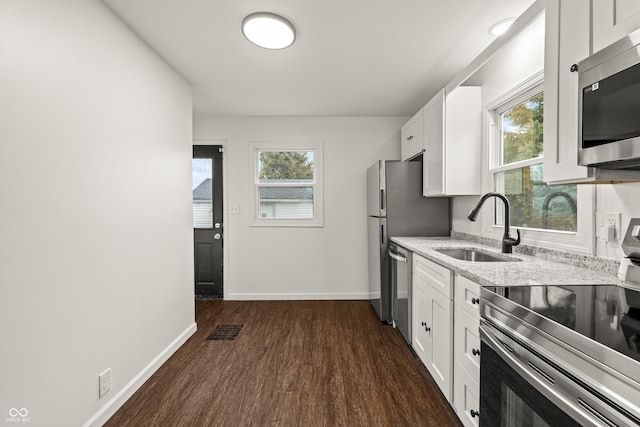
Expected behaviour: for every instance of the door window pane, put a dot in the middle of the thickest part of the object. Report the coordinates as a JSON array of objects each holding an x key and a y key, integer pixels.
[{"x": 202, "y": 185}]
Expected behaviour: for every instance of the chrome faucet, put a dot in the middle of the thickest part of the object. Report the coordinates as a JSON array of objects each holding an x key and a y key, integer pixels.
[{"x": 507, "y": 241}]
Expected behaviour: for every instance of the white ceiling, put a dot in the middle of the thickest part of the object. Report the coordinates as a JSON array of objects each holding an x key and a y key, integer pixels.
[{"x": 351, "y": 57}]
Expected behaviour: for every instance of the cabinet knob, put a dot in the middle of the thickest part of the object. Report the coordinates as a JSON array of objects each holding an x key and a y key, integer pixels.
[
  {"x": 475, "y": 352},
  {"x": 574, "y": 68},
  {"x": 475, "y": 414},
  {"x": 475, "y": 300}
]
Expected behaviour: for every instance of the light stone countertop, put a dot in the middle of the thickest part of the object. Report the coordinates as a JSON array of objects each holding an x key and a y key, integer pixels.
[{"x": 530, "y": 270}]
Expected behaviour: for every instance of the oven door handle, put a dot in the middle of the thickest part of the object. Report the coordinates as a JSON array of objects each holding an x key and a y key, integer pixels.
[{"x": 510, "y": 356}]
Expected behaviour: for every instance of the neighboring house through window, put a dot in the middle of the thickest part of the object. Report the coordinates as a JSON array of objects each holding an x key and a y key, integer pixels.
[{"x": 287, "y": 184}]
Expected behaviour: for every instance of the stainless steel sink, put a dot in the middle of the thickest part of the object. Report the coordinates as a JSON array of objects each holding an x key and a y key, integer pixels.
[{"x": 475, "y": 255}]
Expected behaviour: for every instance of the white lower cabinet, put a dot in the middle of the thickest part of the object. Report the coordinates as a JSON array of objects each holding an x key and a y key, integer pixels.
[
  {"x": 466, "y": 400},
  {"x": 433, "y": 318},
  {"x": 446, "y": 334},
  {"x": 466, "y": 352}
]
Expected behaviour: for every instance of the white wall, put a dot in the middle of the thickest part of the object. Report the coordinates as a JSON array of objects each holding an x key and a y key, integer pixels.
[
  {"x": 302, "y": 263},
  {"x": 95, "y": 230},
  {"x": 517, "y": 61}
]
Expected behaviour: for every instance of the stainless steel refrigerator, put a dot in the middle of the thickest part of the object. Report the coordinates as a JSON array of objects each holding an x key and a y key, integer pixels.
[{"x": 396, "y": 207}]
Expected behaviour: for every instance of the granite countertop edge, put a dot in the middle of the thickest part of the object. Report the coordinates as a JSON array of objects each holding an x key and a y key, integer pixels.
[{"x": 528, "y": 270}]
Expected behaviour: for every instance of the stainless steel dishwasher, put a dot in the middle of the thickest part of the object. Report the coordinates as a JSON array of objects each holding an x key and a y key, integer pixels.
[{"x": 400, "y": 271}]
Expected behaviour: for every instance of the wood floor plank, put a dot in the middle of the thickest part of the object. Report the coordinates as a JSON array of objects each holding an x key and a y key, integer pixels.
[{"x": 294, "y": 363}]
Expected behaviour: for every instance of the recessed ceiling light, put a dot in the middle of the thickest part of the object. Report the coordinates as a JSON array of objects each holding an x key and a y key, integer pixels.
[
  {"x": 500, "y": 27},
  {"x": 268, "y": 30}
]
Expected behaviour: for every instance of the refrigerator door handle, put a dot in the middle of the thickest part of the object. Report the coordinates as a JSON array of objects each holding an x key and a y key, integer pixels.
[
  {"x": 382, "y": 199},
  {"x": 382, "y": 234}
]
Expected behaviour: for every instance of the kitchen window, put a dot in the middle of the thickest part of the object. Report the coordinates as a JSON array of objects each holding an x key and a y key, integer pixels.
[
  {"x": 518, "y": 170},
  {"x": 287, "y": 184},
  {"x": 552, "y": 216}
]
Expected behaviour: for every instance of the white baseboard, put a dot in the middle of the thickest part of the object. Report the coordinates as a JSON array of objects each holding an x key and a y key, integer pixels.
[
  {"x": 298, "y": 297},
  {"x": 110, "y": 408}
]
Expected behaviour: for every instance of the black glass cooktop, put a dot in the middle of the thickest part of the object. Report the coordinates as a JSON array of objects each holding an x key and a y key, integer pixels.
[{"x": 607, "y": 314}]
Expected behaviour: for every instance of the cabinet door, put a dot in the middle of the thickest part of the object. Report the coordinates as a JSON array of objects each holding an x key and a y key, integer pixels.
[
  {"x": 440, "y": 353},
  {"x": 467, "y": 342},
  {"x": 405, "y": 141},
  {"x": 613, "y": 20},
  {"x": 417, "y": 127},
  {"x": 567, "y": 35},
  {"x": 420, "y": 304},
  {"x": 466, "y": 398},
  {"x": 463, "y": 141},
  {"x": 432, "y": 160},
  {"x": 411, "y": 137}
]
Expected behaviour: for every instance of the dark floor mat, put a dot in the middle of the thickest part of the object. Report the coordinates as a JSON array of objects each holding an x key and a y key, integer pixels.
[{"x": 226, "y": 332}]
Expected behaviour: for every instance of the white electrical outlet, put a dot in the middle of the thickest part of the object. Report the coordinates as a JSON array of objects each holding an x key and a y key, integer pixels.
[
  {"x": 605, "y": 221},
  {"x": 104, "y": 380}
]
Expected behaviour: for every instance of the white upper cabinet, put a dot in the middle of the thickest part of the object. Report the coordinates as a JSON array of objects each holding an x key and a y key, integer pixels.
[
  {"x": 452, "y": 140},
  {"x": 567, "y": 35},
  {"x": 613, "y": 20},
  {"x": 411, "y": 137},
  {"x": 575, "y": 29}
]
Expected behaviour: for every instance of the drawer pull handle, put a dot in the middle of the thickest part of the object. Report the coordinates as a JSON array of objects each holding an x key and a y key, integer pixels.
[
  {"x": 475, "y": 300},
  {"x": 475, "y": 352},
  {"x": 475, "y": 414}
]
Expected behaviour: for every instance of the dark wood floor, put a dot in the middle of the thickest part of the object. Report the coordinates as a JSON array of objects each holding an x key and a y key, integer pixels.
[{"x": 294, "y": 363}]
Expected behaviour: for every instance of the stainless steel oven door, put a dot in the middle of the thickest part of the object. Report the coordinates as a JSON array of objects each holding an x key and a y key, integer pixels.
[{"x": 521, "y": 388}]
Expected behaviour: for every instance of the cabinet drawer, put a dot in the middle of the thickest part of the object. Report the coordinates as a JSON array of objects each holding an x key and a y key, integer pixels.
[
  {"x": 467, "y": 342},
  {"x": 468, "y": 295},
  {"x": 437, "y": 276},
  {"x": 465, "y": 398}
]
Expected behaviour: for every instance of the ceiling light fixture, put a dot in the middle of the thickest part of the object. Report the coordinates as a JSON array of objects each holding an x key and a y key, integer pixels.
[
  {"x": 268, "y": 30},
  {"x": 500, "y": 27}
]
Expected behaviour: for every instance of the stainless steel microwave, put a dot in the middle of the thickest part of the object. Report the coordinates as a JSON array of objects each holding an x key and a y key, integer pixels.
[{"x": 609, "y": 105}]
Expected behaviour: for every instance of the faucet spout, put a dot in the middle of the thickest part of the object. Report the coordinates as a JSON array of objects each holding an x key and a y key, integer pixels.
[{"x": 508, "y": 242}]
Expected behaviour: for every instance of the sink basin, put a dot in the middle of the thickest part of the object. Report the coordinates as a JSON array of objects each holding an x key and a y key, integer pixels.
[{"x": 475, "y": 255}]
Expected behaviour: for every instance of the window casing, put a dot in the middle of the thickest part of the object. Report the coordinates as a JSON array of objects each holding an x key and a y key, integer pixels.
[
  {"x": 287, "y": 184},
  {"x": 547, "y": 215}
]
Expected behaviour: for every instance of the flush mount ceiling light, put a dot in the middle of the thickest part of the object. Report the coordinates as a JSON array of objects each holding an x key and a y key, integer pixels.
[
  {"x": 268, "y": 30},
  {"x": 500, "y": 27}
]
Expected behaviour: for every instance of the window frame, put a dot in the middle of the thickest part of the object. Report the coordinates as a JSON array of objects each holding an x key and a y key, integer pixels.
[
  {"x": 317, "y": 184},
  {"x": 581, "y": 240}
]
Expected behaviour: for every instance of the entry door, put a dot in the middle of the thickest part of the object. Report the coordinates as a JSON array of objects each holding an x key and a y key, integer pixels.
[{"x": 207, "y": 220}]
